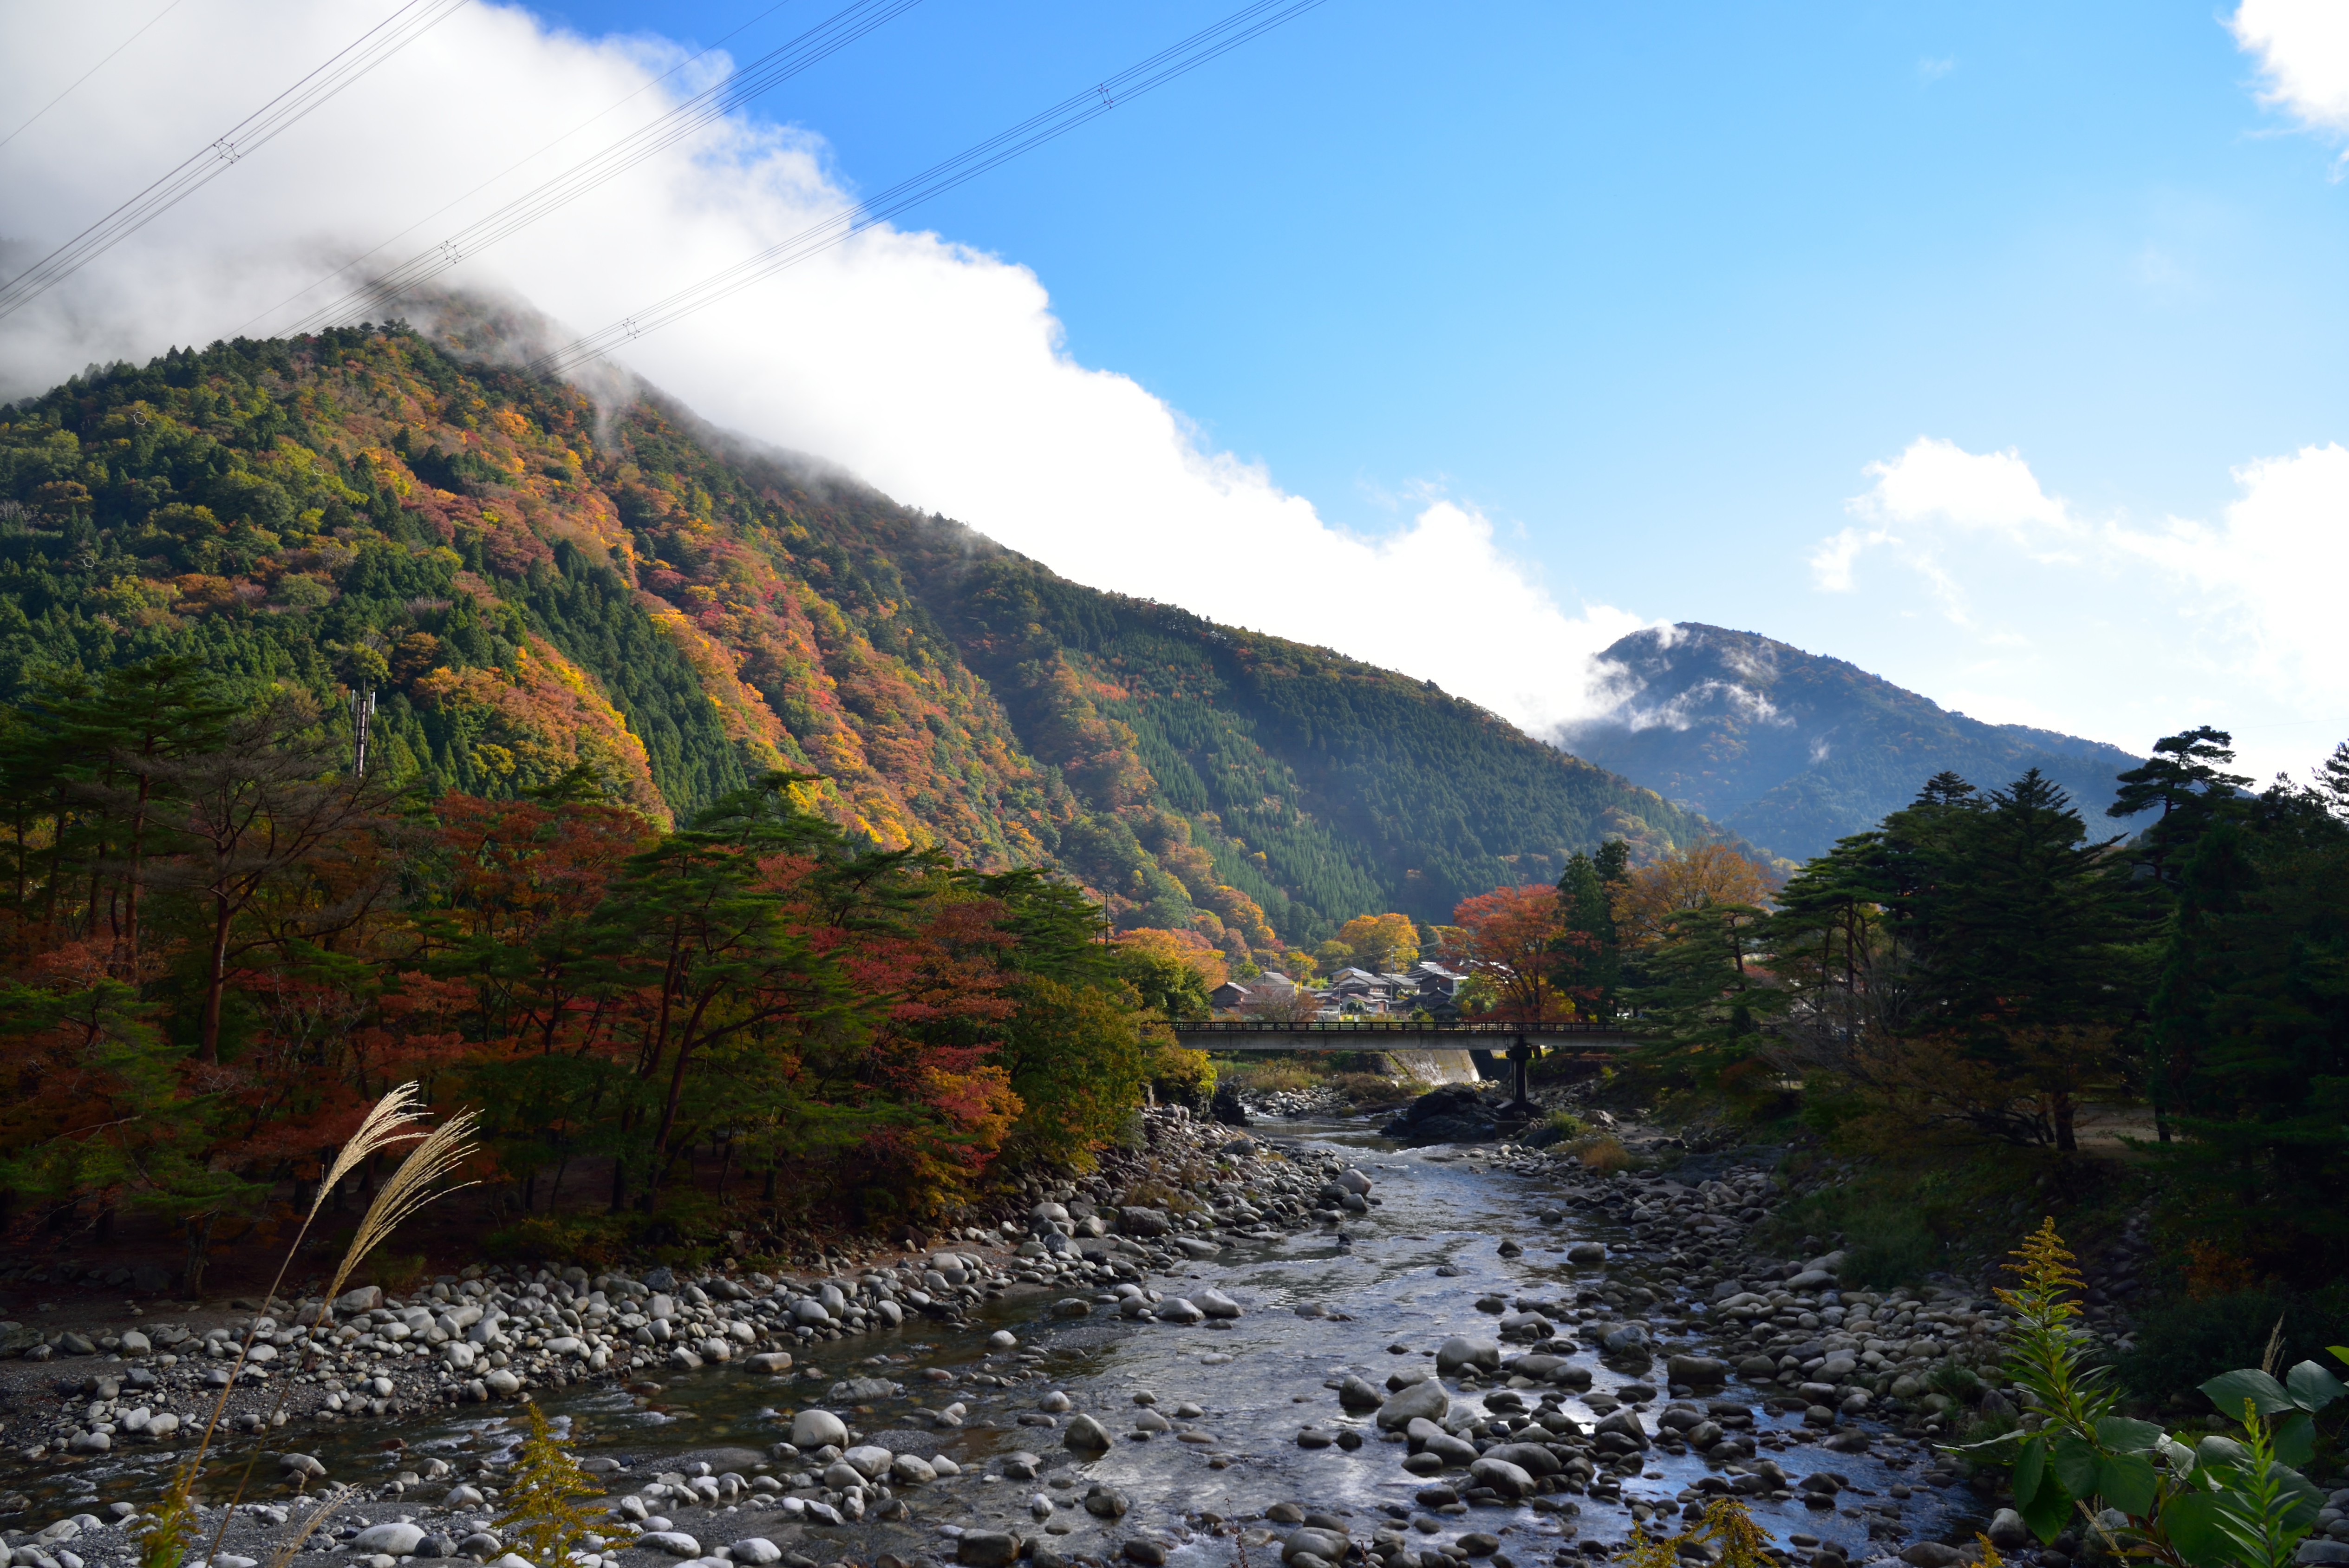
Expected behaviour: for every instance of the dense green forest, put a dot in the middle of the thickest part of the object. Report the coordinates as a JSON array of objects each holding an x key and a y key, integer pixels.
[
  {"x": 533, "y": 595},
  {"x": 2005, "y": 1003}
]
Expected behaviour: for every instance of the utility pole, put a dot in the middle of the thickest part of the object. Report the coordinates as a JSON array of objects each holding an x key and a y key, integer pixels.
[{"x": 362, "y": 716}]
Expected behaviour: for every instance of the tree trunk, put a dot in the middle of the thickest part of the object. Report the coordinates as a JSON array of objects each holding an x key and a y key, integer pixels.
[
  {"x": 668, "y": 1111},
  {"x": 619, "y": 1184},
  {"x": 2066, "y": 1140},
  {"x": 2158, "y": 1091},
  {"x": 130, "y": 888},
  {"x": 215, "y": 984},
  {"x": 199, "y": 1246}
]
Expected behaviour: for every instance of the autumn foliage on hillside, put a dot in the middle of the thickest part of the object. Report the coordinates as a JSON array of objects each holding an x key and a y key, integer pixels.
[
  {"x": 530, "y": 584},
  {"x": 220, "y": 946}
]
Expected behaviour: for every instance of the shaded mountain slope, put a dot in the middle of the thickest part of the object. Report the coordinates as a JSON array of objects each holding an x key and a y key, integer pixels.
[
  {"x": 1792, "y": 749},
  {"x": 529, "y": 591}
]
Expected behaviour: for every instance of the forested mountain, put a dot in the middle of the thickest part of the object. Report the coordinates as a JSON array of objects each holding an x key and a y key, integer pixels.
[
  {"x": 1793, "y": 750},
  {"x": 531, "y": 593}
]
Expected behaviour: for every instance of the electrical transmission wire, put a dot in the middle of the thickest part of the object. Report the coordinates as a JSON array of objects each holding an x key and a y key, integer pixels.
[
  {"x": 827, "y": 37},
  {"x": 612, "y": 108},
  {"x": 93, "y": 70},
  {"x": 1248, "y": 23},
  {"x": 239, "y": 142}
]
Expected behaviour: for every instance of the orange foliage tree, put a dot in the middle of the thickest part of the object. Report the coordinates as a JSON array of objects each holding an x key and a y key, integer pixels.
[
  {"x": 1190, "y": 948},
  {"x": 1710, "y": 874}
]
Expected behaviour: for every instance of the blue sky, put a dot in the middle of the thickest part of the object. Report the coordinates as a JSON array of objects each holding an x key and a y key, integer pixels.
[
  {"x": 1651, "y": 287},
  {"x": 1502, "y": 327}
]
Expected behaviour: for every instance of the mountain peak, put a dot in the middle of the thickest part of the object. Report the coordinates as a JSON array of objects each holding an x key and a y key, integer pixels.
[{"x": 1794, "y": 750}]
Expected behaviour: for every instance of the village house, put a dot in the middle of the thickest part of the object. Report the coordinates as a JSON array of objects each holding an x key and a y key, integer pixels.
[{"x": 1350, "y": 993}]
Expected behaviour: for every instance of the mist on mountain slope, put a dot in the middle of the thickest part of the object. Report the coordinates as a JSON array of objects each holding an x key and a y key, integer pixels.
[{"x": 930, "y": 371}]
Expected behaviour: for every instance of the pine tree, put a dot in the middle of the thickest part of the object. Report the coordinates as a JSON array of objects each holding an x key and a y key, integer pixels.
[
  {"x": 2029, "y": 930},
  {"x": 1702, "y": 997},
  {"x": 2252, "y": 1013},
  {"x": 1590, "y": 953},
  {"x": 2183, "y": 778}
]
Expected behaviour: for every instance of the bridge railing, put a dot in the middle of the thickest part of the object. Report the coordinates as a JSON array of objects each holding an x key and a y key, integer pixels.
[{"x": 1392, "y": 1026}]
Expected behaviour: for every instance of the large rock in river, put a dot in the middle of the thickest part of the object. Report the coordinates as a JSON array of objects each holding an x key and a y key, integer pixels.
[
  {"x": 1418, "y": 1400},
  {"x": 1455, "y": 1113},
  {"x": 1460, "y": 1350}
]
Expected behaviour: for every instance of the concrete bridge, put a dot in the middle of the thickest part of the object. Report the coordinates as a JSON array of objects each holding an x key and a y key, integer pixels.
[
  {"x": 1520, "y": 1041},
  {"x": 1397, "y": 1035}
]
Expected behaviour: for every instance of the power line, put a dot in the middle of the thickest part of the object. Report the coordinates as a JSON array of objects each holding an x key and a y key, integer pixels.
[
  {"x": 93, "y": 70},
  {"x": 1242, "y": 26},
  {"x": 827, "y": 37},
  {"x": 614, "y": 107},
  {"x": 239, "y": 142}
]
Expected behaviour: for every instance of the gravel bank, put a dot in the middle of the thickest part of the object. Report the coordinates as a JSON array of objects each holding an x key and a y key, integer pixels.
[{"x": 1214, "y": 1341}]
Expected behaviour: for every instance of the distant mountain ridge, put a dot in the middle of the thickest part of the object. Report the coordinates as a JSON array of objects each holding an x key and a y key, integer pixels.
[{"x": 1794, "y": 750}]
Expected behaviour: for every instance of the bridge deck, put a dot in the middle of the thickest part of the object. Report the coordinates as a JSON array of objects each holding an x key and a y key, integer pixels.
[{"x": 1395, "y": 1034}]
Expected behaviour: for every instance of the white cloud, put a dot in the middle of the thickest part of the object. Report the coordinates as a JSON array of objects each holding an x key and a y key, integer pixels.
[
  {"x": 1938, "y": 480},
  {"x": 935, "y": 373},
  {"x": 1831, "y": 561},
  {"x": 2265, "y": 578},
  {"x": 2230, "y": 622},
  {"x": 1935, "y": 487},
  {"x": 2303, "y": 51}
]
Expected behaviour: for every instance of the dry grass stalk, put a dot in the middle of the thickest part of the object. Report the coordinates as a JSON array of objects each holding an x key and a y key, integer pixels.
[
  {"x": 288, "y": 1553},
  {"x": 393, "y": 1120}
]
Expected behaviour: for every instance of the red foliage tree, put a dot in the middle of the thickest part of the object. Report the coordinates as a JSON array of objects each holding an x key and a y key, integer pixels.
[{"x": 1510, "y": 937}]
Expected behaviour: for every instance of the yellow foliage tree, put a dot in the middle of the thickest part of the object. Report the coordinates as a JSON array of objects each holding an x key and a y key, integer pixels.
[
  {"x": 1187, "y": 948},
  {"x": 1382, "y": 943},
  {"x": 1710, "y": 874}
]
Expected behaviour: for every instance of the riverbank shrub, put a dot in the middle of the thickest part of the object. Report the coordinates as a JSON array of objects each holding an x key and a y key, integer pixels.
[
  {"x": 1885, "y": 1244},
  {"x": 1601, "y": 1151},
  {"x": 1284, "y": 1077},
  {"x": 2232, "y": 1501},
  {"x": 2181, "y": 1342},
  {"x": 1182, "y": 1076},
  {"x": 1370, "y": 1089}
]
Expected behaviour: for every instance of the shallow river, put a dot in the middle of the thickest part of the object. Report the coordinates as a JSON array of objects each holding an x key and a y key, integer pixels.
[{"x": 1255, "y": 1383}]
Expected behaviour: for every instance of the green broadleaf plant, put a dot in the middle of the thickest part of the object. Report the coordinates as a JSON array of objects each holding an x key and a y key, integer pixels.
[{"x": 2221, "y": 1502}]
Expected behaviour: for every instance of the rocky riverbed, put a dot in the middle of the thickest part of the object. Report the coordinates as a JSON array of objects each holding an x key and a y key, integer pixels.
[{"x": 1302, "y": 1342}]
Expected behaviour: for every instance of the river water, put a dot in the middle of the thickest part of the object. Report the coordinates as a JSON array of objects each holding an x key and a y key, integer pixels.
[{"x": 1253, "y": 1385}]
